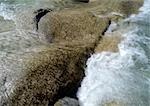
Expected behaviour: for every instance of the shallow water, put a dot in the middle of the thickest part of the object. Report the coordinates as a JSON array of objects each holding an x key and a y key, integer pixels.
[
  {"x": 123, "y": 78},
  {"x": 17, "y": 39}
]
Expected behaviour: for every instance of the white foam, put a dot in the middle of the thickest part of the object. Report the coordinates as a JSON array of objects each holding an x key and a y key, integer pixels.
[
  {"x": 121, "y": 77},
  {"x": 6, "y": 11},
  {"x": 113, "y": 26},
  {"x": 146, "y": 6}
]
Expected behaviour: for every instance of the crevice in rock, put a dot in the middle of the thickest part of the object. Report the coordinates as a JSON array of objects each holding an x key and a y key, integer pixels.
[
  {"x": 101, "y": 35},
  {"x": 39, "y": 14},
  {"x": 84, "y": 1},
  {"x": 105, "y": 30}
]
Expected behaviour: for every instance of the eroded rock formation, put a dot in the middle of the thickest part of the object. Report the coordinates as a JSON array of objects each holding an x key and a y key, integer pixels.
[{"x": 57, "y": 70}]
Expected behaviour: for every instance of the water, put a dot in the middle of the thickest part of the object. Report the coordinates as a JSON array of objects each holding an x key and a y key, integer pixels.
[
  {"x": 123, "y": 78},
  {"x": 17, "y": 39}
]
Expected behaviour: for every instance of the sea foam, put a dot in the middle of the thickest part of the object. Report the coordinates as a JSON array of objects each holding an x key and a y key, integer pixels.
[{"x": 121, "y": 79}]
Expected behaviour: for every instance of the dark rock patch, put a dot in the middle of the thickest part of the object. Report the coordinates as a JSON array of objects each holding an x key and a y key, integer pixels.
[
  {"x": 39, "y": 14},
  {"x": 130, "y": 6},
  {"x": 109, "y": 23},
  {"x": 84, "y": 1}
]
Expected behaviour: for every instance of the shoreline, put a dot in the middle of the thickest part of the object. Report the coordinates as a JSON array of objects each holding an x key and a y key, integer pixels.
[
  {"x": 113, "y": 85},
  {"x": 73, "y": 33}
]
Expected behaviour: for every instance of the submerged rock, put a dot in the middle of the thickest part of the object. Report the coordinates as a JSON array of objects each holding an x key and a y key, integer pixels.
[
  {"x": 67, "y": 102},
  {"x": 6, "y": 25}
]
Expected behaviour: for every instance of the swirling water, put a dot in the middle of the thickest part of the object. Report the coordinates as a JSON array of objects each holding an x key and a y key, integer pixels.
[
  {"x": 17, "y": 39},
  {"x": 123, "y": 78}
]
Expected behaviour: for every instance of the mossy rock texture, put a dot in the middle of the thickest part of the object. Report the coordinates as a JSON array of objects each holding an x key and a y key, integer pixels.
[
  {"x": 67, "y": 25},
  {"x": 51, "y": 74},
  {"x": 67, "y": 102}
]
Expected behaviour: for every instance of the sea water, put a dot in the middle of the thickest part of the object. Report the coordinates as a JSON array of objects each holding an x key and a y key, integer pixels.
[
  {"x": 17, "y": 39},
  {"x": 122, "y": 78}
]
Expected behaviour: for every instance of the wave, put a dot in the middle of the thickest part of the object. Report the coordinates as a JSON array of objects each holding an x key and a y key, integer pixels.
[
  {"x": 123, "y": 78},
  {"x": 6, "y": 11}
]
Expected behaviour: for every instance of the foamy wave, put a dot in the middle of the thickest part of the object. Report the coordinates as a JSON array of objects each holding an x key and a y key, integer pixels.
[
  {"x": 117, "y": 77},
  {"x": 6, "y": 11},
  {"x": 146, "y": 6},
  {"x": 121, "y": 79}
]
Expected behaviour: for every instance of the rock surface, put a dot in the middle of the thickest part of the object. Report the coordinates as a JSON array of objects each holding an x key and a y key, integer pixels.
[
  {"x": 57, "y": 70},
  {"x": 51, "y": 74},
  {"x": 6, "y": 25},
  {"x": 85, "y": 1},
  {"x": 71, "y": 26},
  {"x": 67, "y": 102}
]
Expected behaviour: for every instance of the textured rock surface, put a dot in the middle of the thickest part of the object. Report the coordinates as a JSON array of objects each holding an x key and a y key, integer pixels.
[
  {"x": 51, "y": 74},
  {"x": 57, "y": 70},
  {"x": 129, "y": 7},
  {"x": 67, "y": 25},
  {"x": 67, "y": 102},
  {"x": 85, "y": 1},
  {"x": 6, "y": 25},
  {"x": 72, "y": 23}
]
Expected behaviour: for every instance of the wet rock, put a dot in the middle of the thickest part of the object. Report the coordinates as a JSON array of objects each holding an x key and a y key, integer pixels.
[
  {"x": 71, "y": 26},
  {"x": 6, "y": 25},
  {"x": 129, "y": 7},
  {"x": 85, "y": 1},
  {"x": 53, "y": 73},
  {"x": 39, "y": 14},
  {"x": 67, "y": 102},
  {"x": 57, "y": 70},
  {"x": 109, "y": 43}
]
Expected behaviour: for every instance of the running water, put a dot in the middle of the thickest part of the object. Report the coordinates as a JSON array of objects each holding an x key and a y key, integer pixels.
[
  {"x": 17, "y": 39},
  {"x": 123, "y": 78}
]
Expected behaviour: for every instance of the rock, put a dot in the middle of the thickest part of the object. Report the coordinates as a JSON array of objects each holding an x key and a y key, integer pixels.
[
  {"x": 109, "y": 43},
  {"x": 85, "y": 1},
  {"x": 129, "y": 7},
  {"x": 57, "y": 70},
  {"x": 68, "y": 24},
  {"x": 114, "y": 103},
  {"x": 6, "y": 25},
  {"x": 53, "y": 73},
  {"x": 71, "y": 26},
  {"x": 67, "y": 102},
  {"x": 39, "y": 14}
]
